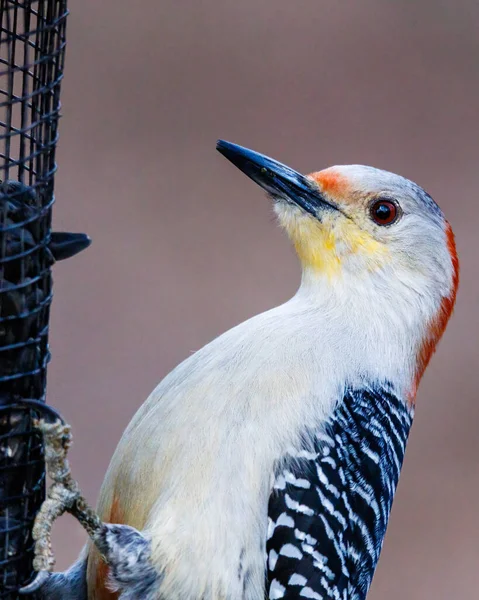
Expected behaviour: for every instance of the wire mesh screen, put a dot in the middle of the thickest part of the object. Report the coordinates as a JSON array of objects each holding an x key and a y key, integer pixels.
[{"x": 32, "y": 44}]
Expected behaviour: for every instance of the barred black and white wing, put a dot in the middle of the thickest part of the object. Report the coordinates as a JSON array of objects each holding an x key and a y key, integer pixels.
[{"x": 331, "y": 501}]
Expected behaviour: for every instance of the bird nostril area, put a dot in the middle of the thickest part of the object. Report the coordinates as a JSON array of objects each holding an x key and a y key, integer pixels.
[
  {"x": 264, "y": 171},
  {"x": 267, "y": 172}
]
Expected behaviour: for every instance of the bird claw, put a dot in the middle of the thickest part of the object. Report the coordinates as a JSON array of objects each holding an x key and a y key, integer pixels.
[
  {"x": 126, "y": 551},
  {"x": 63, "y": 495},
  {"x": 41, "y": 578}
]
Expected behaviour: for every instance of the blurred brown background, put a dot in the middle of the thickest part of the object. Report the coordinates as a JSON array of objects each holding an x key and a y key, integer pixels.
[{"x": 184, "y": 245}]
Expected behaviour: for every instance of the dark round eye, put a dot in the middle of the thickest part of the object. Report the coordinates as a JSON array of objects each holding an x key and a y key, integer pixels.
[{"x": 384, "y": 212}]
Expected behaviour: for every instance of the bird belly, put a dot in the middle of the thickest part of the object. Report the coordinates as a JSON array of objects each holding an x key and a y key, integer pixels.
[
  {"x": 195, "y": 466},
  {"x": 209, "y": 526},
  {"x": 201, "y": 494}
]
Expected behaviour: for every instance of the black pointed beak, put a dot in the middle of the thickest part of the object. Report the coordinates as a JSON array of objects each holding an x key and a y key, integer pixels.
[
  {"x": 277, "y": 179},
  {"x": 64, "y": 245}
]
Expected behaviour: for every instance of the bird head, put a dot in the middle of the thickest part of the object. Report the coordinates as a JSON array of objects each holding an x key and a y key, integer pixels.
[{"x": 367, "y": 234}]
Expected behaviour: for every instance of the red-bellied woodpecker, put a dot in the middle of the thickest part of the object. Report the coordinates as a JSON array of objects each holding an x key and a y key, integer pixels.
[{"x": 265, "y": 464}]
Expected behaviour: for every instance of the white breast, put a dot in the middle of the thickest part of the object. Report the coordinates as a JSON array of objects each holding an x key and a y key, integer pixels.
[{"x": 195, "y": 465}]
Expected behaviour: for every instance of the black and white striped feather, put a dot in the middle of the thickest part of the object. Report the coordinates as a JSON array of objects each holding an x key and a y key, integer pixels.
[{"x": 331, "y": 501}]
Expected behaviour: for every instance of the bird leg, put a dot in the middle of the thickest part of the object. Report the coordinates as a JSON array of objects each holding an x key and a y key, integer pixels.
[
  {"x": 124, "y": 549},
  {"x": 63, "y": 495}
]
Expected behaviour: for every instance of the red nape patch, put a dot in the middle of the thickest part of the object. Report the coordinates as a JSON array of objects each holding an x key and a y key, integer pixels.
[
  {"x": 331, "y": 182},
  {"x": 438, "y": 325}
]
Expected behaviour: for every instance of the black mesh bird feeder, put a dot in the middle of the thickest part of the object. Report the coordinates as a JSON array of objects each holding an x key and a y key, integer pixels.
[{"x": 32, "y": 48}]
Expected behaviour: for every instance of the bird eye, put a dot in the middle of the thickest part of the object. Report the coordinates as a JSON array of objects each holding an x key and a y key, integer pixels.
[{"x": 384, "y": 212}]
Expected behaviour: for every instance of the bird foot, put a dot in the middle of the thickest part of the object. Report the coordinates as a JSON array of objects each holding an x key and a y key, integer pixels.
[
  {"x": 126, "y": 551},
  {"x": 63, "y": 495},
  {"x": 69, "y": 585}
]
